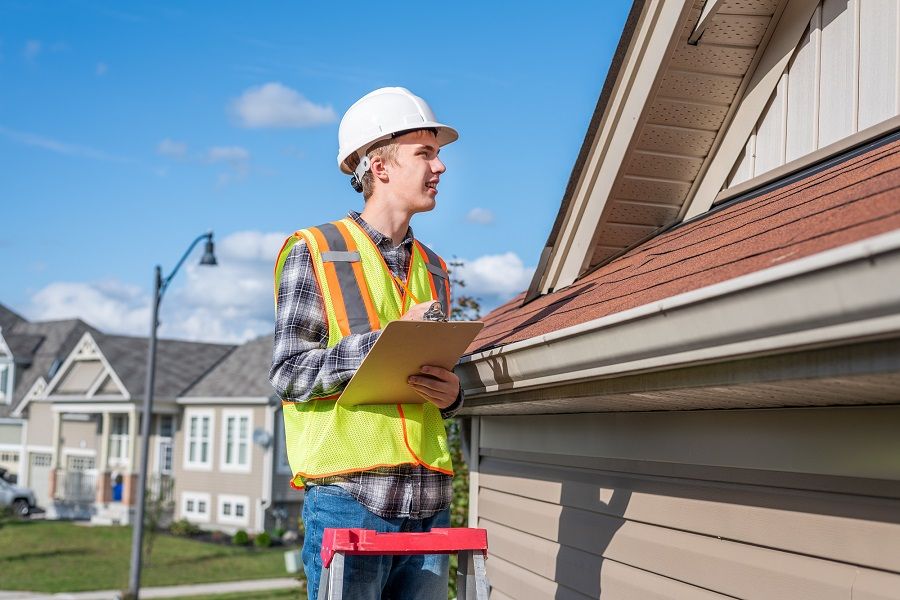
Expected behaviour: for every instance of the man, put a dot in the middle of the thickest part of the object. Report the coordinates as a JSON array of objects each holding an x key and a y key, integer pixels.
[{"x": 382, "y": 467}]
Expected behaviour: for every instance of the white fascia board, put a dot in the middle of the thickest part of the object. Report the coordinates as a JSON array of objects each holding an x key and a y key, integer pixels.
[
  {"x": 659, "y": 27},
  {"x": 81, "y": 407},
  {"x": 855, "y": 298},
  {"x": 188, "y": 400},
  {"x": 30, "y": 395}
]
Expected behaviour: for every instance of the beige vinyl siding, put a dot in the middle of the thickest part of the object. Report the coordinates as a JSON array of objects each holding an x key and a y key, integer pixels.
[
  {"x": 842, "y": 79},
  {"x": 80, "y": 435},
  {"x": 215, "y": 481},
  {"x": 10, "y": 433},
  {"x": 40, "y": 424},
  {"x": 633, "y": 512}
]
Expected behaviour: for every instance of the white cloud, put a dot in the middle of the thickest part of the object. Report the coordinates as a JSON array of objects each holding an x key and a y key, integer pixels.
[
  {"x": 77, "y": 150},
  {"x": 32, "y": 50},
  {"x": 227, "y": 154},
  {"x": 169, "y": 147},
  {"x": 111, "y": 305},
  {"x": 231, "y": 302},
  {"x": 237, "y": 159},
  {"x": 493, "y": 278},
  {"x": 101, "y": 69},
  {"x": 276, "y": 105},
  {"x": 480, "y": 216}
]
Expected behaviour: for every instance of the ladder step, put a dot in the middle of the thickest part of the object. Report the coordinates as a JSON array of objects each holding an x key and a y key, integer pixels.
[{"x": 370, "y": 542}]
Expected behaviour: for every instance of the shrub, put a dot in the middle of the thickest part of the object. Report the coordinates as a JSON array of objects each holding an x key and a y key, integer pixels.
[
  {"x": 184, "y": 528},
  {"x": 278, "y": 533},
  {"x": 262, "y": 540},
  {"x": 240, "y": 538}
]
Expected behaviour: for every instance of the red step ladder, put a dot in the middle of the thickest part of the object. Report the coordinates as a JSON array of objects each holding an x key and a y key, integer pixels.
[{"x": 469, "y": 544}]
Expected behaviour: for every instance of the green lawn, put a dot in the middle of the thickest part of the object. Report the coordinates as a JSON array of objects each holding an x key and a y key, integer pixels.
[{"x": 56, "y": 556}]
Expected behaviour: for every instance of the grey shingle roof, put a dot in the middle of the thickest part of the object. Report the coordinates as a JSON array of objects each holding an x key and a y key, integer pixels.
[
  {"x": 178, "y": 364},
  {"x": 244, "y": 373},
  {"x": 54, "y": 341},
  {"x": 9, "y": 319}
]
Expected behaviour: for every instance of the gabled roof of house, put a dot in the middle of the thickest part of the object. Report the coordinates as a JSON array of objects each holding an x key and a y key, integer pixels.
[
  {"x": 849, "y": 201},
  {"x": 178, "y": 363},
  {"x": 44, "y": 343},
  {"x": 9, "y": 319},
  {"x": 243, "y": 373},
  {"x": 666, "y": 106}
]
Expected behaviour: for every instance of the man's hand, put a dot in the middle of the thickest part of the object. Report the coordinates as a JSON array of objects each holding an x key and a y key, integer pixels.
[
  {"x": 416, "y": 312},
  {"x": 438, "y": 386}
]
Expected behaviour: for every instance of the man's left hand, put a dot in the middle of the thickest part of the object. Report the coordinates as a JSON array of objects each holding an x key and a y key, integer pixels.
[{"x": 438, "y": 386}]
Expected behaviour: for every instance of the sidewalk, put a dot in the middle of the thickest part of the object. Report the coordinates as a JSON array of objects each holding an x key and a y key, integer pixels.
[{"x": 172, "y": 591}]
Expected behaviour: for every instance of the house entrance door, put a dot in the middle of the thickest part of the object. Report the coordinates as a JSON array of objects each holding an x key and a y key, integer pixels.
[{"x": 39, "y": 477}]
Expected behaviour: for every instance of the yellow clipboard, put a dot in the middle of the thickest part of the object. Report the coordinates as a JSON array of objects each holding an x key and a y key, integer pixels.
[{"x": 400, "y": 351}]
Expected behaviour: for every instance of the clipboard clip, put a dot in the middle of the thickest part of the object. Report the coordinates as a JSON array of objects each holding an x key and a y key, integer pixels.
[{"x": 434, "y": 313}]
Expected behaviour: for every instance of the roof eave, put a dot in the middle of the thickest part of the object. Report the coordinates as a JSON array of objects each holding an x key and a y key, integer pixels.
[{"x": 762, "y": 313}]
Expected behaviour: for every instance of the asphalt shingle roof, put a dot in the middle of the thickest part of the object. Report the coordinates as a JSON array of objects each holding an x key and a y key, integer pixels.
[
  {"x": 9, "y": 319},
  {"x": 42, "y": 343},
  {"x": 844, "y": 203},
  {"x": 244, "y": 373},
  {"x": 178, "y": 363}
]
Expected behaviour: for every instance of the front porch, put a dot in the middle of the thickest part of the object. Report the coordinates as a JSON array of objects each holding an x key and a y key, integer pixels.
[{"x": 103, "y": 489}]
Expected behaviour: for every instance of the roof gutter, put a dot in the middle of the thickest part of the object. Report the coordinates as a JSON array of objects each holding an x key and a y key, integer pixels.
[{"x": 767, "y": 312}]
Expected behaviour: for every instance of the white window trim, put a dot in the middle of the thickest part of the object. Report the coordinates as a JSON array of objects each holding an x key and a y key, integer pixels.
[
  {"x": 120, "y": 461},
  {"x": 10, "y": 366},
  {"x": 198, "y": 465},
  {"x": 194, "y": 516},
  {"x": 233, "y": 500},
  {"x": 238, "y": 413}
]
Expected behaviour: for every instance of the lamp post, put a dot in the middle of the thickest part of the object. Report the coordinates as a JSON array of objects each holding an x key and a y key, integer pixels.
[{"x": 160, "y": 285}]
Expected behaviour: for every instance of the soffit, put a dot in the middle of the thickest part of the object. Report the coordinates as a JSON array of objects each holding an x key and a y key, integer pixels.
[{"x": 690, "y": 105}]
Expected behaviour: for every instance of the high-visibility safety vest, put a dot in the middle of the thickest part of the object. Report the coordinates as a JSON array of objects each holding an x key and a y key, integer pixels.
[{"x": 361, "y": 295}]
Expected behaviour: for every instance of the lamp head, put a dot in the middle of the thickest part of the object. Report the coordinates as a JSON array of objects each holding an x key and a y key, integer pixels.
[{"x": 209, "y": 257}]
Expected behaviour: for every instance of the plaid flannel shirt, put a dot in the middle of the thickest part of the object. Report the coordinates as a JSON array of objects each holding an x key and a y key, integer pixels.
[{"x": 303, "y": 368}]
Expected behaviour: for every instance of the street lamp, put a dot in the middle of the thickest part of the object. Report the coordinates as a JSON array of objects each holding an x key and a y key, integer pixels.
[{"x": 160, "y": 286}]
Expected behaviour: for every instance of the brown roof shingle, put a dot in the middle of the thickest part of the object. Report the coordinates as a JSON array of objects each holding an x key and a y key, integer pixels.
[{"x": 847, "y": 202}]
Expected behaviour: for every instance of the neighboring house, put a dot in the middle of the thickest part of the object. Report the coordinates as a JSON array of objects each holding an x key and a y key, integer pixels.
[
  {"x": 86, "y": 419},
  {"x": 30, "y": 354},
  {"x": 699, "y": 395},
  {"x": 230, "y": 466}
]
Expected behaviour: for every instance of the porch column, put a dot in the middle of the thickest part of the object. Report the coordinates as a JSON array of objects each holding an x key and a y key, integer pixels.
[
  {"x": 56, "y": 453},
  {"x": 130, "y": 491},
  {"x": 104, "y": 489}
]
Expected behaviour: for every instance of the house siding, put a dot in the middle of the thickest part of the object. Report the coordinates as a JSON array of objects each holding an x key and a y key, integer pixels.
[
  {"x": 79, "y": 435},
  {"x": 40, "y": 419},
  {"x": 10, "y": 433},
  {"x": 214, "y": 481},
  {"x": 766, "y": 504}
]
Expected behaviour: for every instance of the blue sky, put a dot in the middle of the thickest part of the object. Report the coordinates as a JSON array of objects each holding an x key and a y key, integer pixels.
[{"x": 127, "y": 129}]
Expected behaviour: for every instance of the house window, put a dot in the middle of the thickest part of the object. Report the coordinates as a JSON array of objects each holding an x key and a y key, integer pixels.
[
  {"x": 9, "y": 457},
  {"x": 198, "y": 454},
  {"x": 233, "y": 509},
  {"x": 4, "y": 380},
  {"x": 80, "y": 463},
  {"x": 166, "y": 426},
  {"x": 195, "y": 506},
  {"x": 236, "y": 440},
  {"x": 118, "y": 440}
]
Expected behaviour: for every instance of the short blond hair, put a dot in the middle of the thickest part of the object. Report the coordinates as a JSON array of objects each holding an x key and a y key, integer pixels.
[{"x": 387, "y": 150}]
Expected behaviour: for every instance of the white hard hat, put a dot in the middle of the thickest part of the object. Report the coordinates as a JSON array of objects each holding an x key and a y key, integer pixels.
[{"x": 380, "y": 114}]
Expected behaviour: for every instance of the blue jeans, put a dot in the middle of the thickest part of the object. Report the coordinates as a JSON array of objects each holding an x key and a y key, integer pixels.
[{"x": 419, "y": 577}]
